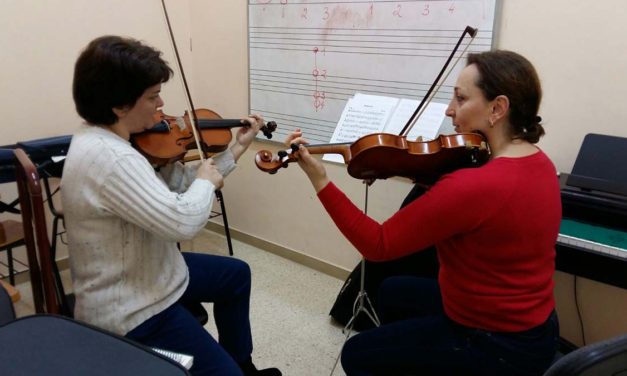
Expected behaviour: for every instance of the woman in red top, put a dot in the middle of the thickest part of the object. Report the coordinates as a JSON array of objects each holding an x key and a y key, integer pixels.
[{"x": 491, "y": 312}]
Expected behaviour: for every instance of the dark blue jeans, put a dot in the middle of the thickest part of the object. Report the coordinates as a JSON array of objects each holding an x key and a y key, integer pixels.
[
  {"x": 416, "y": 338},
  {"x": 225, "y": 282}
]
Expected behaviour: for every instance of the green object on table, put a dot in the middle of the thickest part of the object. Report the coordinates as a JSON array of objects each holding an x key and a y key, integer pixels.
[{"x": 597, "y": 234}]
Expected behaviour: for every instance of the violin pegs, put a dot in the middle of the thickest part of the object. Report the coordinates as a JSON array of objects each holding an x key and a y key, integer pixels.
[
  {"x": 294, "y": 147},
  {"x": 282, "y": 154},
  {"x": 271, "y": 125},
  {"x": 284, "y": 164}
]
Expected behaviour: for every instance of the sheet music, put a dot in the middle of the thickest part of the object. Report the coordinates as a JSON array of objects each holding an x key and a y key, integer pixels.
[
  {"x": 183, "y": 359},
  {"x": 362, "y": 115},
  {"x": 367, "y": 114},
  {"x": 427, "y": 126}
]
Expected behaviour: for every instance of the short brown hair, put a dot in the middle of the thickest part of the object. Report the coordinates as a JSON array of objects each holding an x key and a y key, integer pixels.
[{"x": 113, "y": 72}]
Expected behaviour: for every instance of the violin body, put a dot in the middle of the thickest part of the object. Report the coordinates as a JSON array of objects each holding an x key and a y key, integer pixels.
[
  {"x": 384, "y": 155},
  {"x": 172, "y": 137}
]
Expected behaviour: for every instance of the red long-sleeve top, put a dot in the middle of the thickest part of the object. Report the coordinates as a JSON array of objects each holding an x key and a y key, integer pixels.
[{"x": 495, "y": 229}]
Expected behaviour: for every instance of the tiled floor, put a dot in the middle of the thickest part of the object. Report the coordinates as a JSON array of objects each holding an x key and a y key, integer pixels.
[{"x": 289, "y": 310}]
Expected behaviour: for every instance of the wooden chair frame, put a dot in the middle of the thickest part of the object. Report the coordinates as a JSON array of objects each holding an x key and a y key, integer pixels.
[{"x": 40, "y": 262}]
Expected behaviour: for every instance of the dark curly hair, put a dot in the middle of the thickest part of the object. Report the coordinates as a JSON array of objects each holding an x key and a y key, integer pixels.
[
  {"x": 113, "y": 72},
  {"x": 510, "y": 74}
]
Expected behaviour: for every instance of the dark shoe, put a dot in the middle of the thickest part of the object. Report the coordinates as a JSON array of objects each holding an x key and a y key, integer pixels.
[{"x": 249, "y": 369}]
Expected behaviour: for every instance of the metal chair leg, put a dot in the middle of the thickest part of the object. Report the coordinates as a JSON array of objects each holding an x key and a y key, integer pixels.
[
  {"x": 10, "y": 264},
  {"x": 62, "y": 298},
  {"x": 226, "y": 222}
]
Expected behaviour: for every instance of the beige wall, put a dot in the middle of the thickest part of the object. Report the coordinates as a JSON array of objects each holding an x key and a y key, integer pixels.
[{"x": 575, "y": 45}]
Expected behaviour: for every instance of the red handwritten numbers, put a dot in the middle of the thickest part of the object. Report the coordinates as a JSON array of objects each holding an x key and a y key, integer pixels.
[
  {"x": 263, "y": 9},
  {"x": 425, "y": 10},
  {"x": 303, "y": 14},
  {"x": 397, "y": 11},
  {"x": 451, "y": 8},
  {"x": 283, "y": 2},
  {"x": 318, "y": 96}
]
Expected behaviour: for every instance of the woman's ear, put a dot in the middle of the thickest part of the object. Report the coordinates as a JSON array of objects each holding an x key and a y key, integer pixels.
[
  {"x": 500, "y": 108},
  {"x": 120, "y": 111}
]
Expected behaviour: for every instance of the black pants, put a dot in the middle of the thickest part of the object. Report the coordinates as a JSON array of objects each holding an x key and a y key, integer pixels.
[{"x": 417, "y": 338}]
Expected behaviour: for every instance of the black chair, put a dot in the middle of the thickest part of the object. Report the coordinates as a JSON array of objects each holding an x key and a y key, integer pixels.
[
  {"x": 607, "y": 357},
  {"x": 85, "y": 350}
]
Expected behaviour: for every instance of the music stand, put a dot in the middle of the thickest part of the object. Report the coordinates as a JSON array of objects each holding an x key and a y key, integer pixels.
[{"x": 362, "y": 302}]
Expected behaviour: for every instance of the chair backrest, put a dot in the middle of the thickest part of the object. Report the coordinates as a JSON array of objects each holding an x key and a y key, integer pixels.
[
  {"x": 56, "y": 345},
  {"x": 608, "y": 357},
  {"x": 36, "y": 234}
]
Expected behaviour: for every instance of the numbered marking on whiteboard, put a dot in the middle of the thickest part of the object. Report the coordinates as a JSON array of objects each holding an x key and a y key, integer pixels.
[
  {"x": 318, "y": 96},
  {"x": 397, "y": 11}
]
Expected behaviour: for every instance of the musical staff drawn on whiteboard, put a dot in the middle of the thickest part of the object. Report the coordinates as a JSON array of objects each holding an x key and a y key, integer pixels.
[{"x": 307, "y": 58}]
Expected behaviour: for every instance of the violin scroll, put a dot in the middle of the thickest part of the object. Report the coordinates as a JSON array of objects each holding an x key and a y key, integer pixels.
[{"x": 266, "y": 162}]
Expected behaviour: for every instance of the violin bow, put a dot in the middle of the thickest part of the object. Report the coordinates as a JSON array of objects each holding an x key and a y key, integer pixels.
[
  {"x": 431, "y": 92},
  {"x": 192, "y": 113}
]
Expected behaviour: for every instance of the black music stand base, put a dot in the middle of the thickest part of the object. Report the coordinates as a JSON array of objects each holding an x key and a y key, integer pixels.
[{"x": 362, "y": 305}]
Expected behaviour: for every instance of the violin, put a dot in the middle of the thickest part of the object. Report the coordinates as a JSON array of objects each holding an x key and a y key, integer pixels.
[
  {"x": 384, "y": 155},
  {"x": 172, "y": 136}
]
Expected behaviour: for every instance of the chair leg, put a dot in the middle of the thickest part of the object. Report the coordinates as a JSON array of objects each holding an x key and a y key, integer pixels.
[
  {"x": 227, "y": 233},
  {"x": 11, "y": 267}
]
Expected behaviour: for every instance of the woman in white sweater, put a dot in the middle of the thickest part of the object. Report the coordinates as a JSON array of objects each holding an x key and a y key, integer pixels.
[{"x": 124, "y": 219}]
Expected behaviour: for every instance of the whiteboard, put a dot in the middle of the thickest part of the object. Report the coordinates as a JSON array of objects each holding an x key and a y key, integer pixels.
[{"x": 307, "y": 58}]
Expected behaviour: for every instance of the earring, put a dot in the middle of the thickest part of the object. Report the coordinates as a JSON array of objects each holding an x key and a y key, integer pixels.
[{"x": 491, "y": 123}]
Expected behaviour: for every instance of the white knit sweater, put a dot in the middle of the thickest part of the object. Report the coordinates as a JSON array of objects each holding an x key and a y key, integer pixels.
[{"x": 123, "y": 222}]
